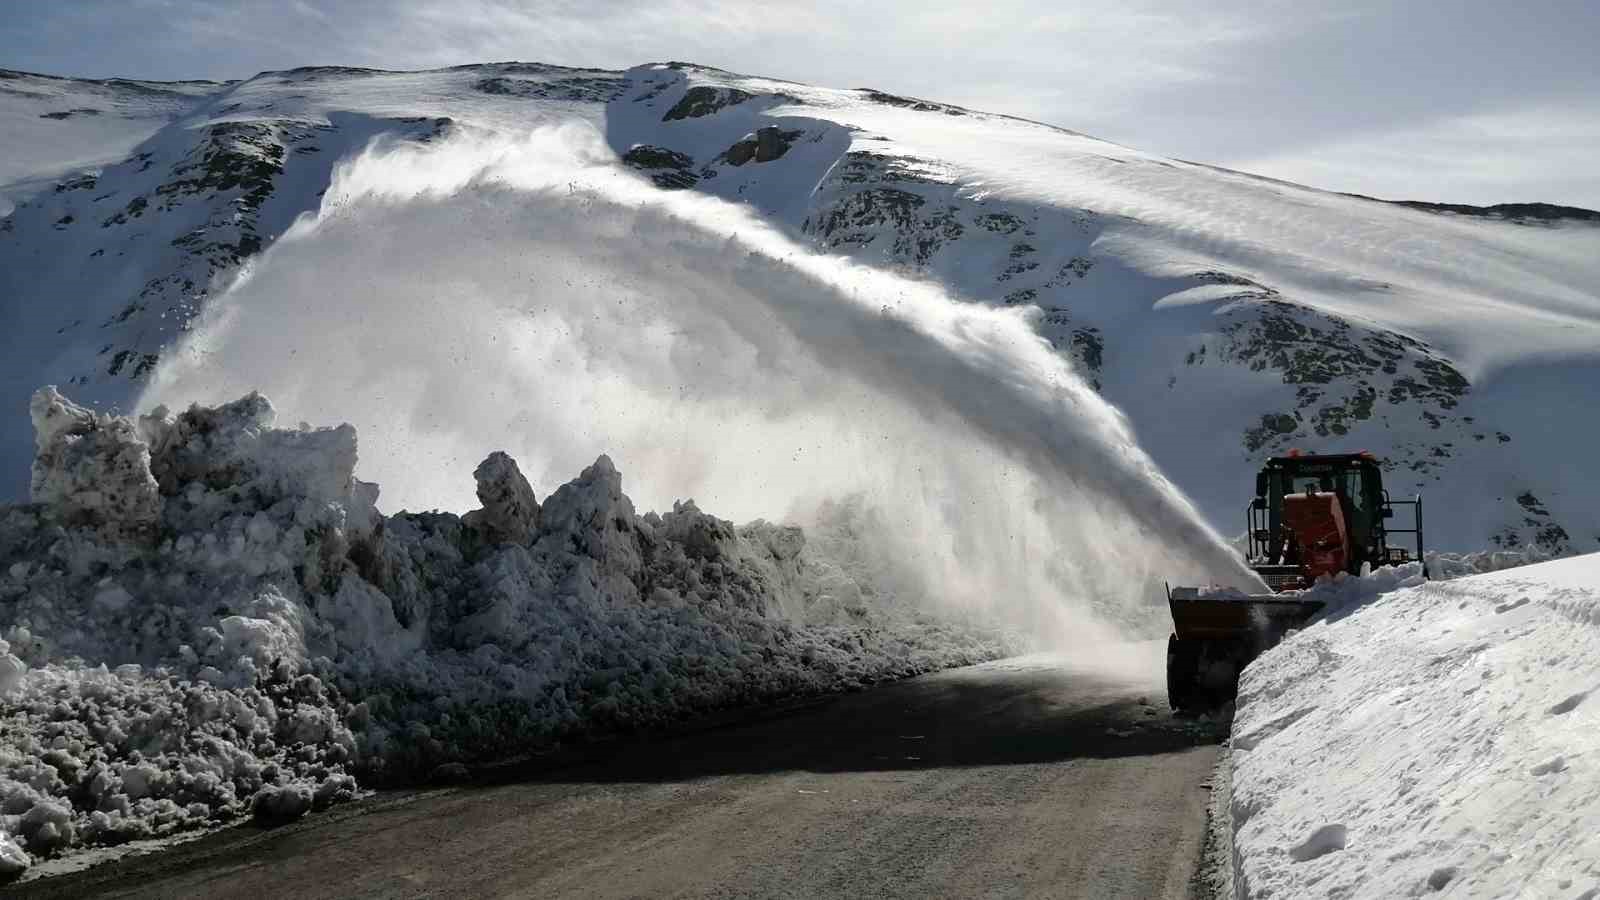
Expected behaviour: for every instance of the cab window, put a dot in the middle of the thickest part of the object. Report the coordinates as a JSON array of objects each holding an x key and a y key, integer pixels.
[
  {"x": 1306, "y": 484},
  {"x": 1354, "y": 488}
]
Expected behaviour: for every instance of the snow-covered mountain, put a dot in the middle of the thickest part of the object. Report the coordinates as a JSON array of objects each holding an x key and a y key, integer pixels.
[
  {"x": 56, "y": 127},
  {"x": 1230, "y": 317}
]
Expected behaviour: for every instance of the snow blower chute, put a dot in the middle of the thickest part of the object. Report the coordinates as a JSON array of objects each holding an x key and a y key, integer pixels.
[{"x": 1312, "y": 515}]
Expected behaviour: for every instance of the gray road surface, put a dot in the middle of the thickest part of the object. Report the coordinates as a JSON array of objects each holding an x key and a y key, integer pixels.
[{"x": 1022, "y": 778}]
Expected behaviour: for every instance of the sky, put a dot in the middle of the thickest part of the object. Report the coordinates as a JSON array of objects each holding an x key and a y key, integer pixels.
[{"x": 1466, "y": 101}]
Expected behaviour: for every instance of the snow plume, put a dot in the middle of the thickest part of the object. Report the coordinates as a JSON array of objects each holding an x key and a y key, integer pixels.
[{"x": 534, "y": 296}]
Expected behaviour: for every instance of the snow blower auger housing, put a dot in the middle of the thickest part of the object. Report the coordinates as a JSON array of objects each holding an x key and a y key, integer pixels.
[{"x": 1312, "y": 515}]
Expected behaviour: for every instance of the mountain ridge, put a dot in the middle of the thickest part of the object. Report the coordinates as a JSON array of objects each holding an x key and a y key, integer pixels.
[{"x": 1167, "y": 286}]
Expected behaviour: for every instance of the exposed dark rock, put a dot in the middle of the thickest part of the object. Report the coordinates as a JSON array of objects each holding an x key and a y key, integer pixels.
[
  {"x": 647, "y": 156},
  {"x": 912, "y": 103},
  {"x": 916, "y": 223},
  {"x": 1272, "y": 427},
  {"x": 764, "y": 145},
  {"x": 1334, "y": 365},
  {"x": 668, "y": 168},
  {"x": 126, "y": 313},
  {"x": 323, "y": 73},
  {"x": 862, "y": 167},
  {"x": 133, "y": 210},
  {"x": 574, "y": 89},
  {"x": 703, "y": 101},
  {"x": 866, "y": 209},
  {"x": 999, "y": 223},
  {"x": 917, "y": 228},
  {"x": 1336, "y": 418},
  {"x": 69, "y": 113},
  {"x": 80, "y": 183},
  {"x": 1075, "y": 269},
  {"x": 1214, "y": 277},
  {"x": 743, "y": 151},
  {"x": 532, "y": 68},
  {"x": 1089, "y": 349},
  {"x": 772, "y": 142},
  {"x": 1520, "y": 213},
  {"x": 1020, "y": 263},
  {"x": 243, "y": 156},
  {"x": 1536, "y": 528},
  {"x": 1532, "y": 504}
]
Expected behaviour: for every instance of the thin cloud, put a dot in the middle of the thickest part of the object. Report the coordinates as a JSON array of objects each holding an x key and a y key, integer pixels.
[{"x": 1543, "y": 152}]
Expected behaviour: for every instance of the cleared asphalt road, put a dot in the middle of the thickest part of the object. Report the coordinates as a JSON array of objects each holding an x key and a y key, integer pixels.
[{"x": 1022, "y": 778}]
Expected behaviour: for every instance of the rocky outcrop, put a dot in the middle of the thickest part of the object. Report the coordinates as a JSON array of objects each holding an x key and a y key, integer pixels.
[
  {"x": 703, "y": 100},
  {"x": 574, "y": 89},
  {"x": 667, "y": 168},
  {"x": 1537, "y": 528},
  {"x": 912, "y": 103},
  {"x": 1518, "y": 213},
  {"x": 761, "y": 146},
  {"x": 1343, "y": 373}
]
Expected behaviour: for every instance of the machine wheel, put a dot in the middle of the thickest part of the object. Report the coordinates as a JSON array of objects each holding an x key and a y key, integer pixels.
[{"x": 1183, "y": 674}]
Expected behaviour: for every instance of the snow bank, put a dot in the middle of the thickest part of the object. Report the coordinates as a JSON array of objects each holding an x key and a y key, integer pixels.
[
  {"x": 205, "y": 617},
  {"x": 1440, "y": 740}
]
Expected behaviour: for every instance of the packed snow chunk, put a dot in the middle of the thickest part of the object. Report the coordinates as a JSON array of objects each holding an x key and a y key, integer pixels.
[
  {"x": 333, "y": 789},
  {"x": 234, "y": 445},
  {"x": 1444, "y": 727},
  {"x": 260, "y": 640},
  {"x": 91, "y": 469},
  {"x": 11, "y": 669},
  {"x": 281, "y": 804},
  {"x": 510, "y": 511},
  {"x": 111, "y": 598},
  {"x": 592, "y": 518},
  {"x": 702, "y": 536},
  {"x": 47, "y": 827},
  {"x": 13, "y": 859}
]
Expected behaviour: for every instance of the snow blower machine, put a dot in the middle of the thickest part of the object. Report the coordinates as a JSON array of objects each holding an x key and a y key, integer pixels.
[{"x": 1313, "y": 515}]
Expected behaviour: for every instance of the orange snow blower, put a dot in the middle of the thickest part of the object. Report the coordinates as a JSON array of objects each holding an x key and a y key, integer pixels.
[{"x": 1312, "y": 516}]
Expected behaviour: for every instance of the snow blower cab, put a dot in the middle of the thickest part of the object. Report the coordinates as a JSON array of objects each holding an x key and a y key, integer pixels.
[{"x": 1312, "y": 516}]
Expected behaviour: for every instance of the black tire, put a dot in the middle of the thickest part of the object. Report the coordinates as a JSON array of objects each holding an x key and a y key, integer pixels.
[{"x": 1183, "y": 672}]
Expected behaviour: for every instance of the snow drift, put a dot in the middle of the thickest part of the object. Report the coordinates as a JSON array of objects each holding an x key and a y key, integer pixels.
[
  {"x": 205, "y": 617},
  {"x": 1439, "y": 739}
]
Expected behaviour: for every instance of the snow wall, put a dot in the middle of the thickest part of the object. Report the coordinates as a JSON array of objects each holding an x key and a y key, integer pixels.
[
  {"x": 1438, "y": 740},
  {"x": 205, "y": 617}
]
